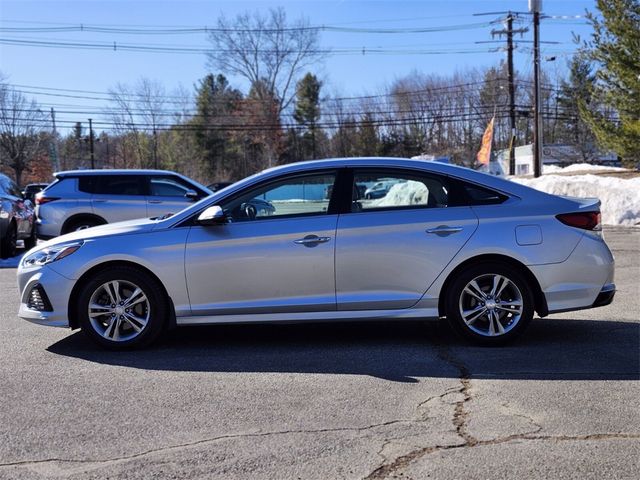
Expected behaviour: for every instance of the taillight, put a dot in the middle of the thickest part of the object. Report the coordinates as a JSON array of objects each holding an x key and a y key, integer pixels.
[
  {"x": 584, "y": 220},
  {"x": 42, "y": 200}
]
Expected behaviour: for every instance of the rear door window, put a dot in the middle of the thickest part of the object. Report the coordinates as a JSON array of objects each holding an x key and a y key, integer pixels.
[
  {"x": 390, "y": 189},
  {"x": 117, "y": 185}
]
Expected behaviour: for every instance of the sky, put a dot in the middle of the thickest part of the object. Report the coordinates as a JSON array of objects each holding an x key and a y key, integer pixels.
[{"x": 38, "y": 68}]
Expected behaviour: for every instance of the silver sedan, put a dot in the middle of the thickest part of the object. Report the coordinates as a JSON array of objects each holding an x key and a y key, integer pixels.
[{"x": 443, "y": 241}]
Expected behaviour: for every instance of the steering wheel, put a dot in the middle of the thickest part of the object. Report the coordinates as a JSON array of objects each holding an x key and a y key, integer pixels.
[{"x": 249, "y": 211}]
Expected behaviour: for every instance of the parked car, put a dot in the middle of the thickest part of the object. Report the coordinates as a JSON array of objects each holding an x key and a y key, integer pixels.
[
  {"x": 30, "y": 190},
  {"x": 85, "y": 198},
  {"x": 17, "y": 218},
  {"x": 379, "y": 189},
  {"x": 214, "y": 187},
  {"x": 483, "y": 252}
]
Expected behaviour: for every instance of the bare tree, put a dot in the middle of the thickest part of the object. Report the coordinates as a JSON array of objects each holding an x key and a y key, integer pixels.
[
  {"x": 137, "y": 113},
  {"x": 265, "y": 50},
  {"x": 20, "y": 128}
]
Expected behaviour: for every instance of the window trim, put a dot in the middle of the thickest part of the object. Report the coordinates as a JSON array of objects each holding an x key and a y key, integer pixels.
[
  {"x": 332, "y": 209},
  {"x": 444, "y": 179}
]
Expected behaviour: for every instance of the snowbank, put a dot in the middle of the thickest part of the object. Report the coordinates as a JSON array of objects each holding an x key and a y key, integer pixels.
[
  {"x": 620, "y": 197},
  {"x": 578, "y": 167},
  {"x": 405, "y": 193}
]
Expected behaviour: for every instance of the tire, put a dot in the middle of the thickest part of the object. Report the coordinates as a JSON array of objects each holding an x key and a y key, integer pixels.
[
  {"x": 81, "y": 224},
  {"x": 8, "y": 243},
  {"x": 498, "y": 312},
  {"x": 119, "y": 328},
  {"x": 31, "y": 240}
]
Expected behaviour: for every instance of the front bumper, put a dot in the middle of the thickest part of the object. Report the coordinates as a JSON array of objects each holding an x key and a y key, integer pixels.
[{"x": 58, "y": 290}]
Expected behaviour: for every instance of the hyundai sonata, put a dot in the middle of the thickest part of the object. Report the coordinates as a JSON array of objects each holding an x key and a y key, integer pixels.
[{"x": 443, "y": 241}]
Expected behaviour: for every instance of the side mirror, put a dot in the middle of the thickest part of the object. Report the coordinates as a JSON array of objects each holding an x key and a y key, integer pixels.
[
  {"x": 212, "y": 216},
  {"x": 191, "y": 195}
]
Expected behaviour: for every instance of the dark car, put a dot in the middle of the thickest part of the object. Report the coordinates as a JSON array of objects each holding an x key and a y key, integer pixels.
[
  {"x": 17, "y": 218},
  {"x": 214, "y": 187},
  {"x": 29, "y": 192}
]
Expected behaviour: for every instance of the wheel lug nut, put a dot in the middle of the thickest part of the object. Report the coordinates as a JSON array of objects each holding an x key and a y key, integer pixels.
[{"x": 113, "y": 305}]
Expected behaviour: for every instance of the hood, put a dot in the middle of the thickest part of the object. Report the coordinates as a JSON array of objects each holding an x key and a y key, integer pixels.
[{"x": 120, "y": 228}]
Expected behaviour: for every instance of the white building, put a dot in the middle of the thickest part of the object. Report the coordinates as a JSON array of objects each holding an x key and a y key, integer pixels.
[{"x": 558, "y": 154}]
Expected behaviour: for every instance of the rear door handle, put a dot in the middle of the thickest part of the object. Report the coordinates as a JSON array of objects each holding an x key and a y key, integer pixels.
[
  {"x": 155, "y": 201},
  {"x": 444, "y": 230},
  {"x": 99, "y": 201},
  {"x": 311, "y": 240}
]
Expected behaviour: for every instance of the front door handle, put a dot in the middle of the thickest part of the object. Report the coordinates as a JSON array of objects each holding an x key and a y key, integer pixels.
[
  {"x": 311, "y": 240},
  {"x": 444, "y": 230},
  {"x": 155, "y": 201}
]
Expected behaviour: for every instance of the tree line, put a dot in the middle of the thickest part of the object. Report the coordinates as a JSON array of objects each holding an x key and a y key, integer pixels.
[{"x": 219, "y": 132}]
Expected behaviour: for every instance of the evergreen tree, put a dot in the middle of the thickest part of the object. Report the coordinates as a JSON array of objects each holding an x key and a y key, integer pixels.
[
  {"x": 307, "y": 112},
  {"x": 615, "y": 47},
  {"x": 578, "y": 88},
  {"x": 216, "y": 102}
]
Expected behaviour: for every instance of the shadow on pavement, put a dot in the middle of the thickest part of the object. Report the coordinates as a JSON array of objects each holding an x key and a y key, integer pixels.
[{"x": 397, "y": 351}]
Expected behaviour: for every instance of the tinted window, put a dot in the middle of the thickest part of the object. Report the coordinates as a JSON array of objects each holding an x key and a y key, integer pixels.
[
  {"x": 388, "y": 189},
  {"x": 481, "y": 195},
  {"x": 294, "y": 196},
  {"x": 166, "y": 185},
  {"x": 112, "y": 184}
]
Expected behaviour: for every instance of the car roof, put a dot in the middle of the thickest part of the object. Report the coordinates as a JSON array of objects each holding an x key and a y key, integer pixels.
[{"x": 114, "y": 171}]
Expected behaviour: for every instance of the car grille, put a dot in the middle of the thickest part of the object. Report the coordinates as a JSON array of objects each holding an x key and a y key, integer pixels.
[{"x": 38, "y": 300}]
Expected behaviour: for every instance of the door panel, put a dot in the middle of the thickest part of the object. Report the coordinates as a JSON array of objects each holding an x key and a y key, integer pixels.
[
  {"x": 387, "y": 260},
  {"x": 260, "y": 266},
  {"x": 160, "y": 205},
  {"x": 118, "y": 197}
]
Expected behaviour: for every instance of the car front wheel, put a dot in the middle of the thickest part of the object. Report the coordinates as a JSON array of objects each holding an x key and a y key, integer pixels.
[
  {"x": 490, "y": 304},
  {"x": 122, "y": 307}
]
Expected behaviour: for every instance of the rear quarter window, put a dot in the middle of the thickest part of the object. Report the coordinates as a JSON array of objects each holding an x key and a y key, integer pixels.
[{"x": 477, "y": 195}]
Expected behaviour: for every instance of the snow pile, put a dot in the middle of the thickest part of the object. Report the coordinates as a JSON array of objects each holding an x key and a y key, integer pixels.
[
  {"x": 578, "y": 167},
  {"x": 405, "y": 193},
  {"x": 620, "y": 197}
]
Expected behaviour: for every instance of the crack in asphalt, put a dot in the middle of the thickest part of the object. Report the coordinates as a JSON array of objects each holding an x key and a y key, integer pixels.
[
  {"x": 388, "y": 466},
  {"x": 460, "y": 422},
  {"x": 102, "y": 462}
]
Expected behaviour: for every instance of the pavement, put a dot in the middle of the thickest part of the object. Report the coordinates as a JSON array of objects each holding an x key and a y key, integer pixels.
[{"x": 355, "y": 401}]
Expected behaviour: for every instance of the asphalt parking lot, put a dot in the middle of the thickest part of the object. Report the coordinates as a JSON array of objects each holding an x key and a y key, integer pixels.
[{"x": 368, "y": 400}]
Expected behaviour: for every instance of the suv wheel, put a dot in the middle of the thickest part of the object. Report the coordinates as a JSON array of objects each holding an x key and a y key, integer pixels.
[
  {"x": 8, "y": 243},
  {"x": 81, "y": 224},
  {"x": 31, "y": 240}
]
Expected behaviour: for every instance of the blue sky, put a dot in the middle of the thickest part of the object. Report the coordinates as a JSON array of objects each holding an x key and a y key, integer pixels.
[{"x": 98, "y": 70}]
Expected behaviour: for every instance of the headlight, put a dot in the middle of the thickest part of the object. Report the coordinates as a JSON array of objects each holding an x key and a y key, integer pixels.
[{"x": 50, "y": 254}]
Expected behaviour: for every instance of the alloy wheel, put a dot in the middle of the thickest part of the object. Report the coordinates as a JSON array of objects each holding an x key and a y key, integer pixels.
[
  {"x": 119, "y": 310},
  {"x": 491, "y": 305}
]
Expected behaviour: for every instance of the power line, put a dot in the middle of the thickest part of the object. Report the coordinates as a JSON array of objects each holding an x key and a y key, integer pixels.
[{"x": 208, "y": 30}]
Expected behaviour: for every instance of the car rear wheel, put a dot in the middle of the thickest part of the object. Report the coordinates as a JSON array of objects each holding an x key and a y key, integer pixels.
[
  {"x": 81, "y": 224},
  {"x": 122, "y": 307},
  {"x": 490, "y": 304},
  {"x": 8, "y": 244}
]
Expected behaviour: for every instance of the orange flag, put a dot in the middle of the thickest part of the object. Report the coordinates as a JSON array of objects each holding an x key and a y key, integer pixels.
[{"x": 484, "y": 155}]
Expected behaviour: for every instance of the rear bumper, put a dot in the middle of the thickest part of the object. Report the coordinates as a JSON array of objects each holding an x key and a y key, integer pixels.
[
  {"x": 605, "y": 297},
  {"x": 584, "y": 280}
]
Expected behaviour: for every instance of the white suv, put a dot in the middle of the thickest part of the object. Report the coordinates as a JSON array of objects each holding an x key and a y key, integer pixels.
[{"x": 82, "y": 199}]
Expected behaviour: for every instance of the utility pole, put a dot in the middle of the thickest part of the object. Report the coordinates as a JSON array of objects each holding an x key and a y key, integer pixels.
[
  {"x": 93, "y": 164},
  {"x": 535, "y": 6},
  {"x": 509, "y": 31},
  {"x": 54, "y": 143},
  {"x": 155, "y": 148}
]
